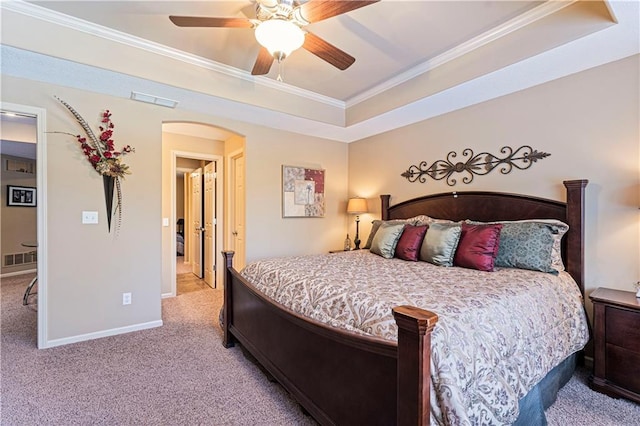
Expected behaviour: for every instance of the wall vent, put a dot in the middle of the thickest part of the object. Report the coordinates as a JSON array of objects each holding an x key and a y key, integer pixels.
[{"x": 17, "y": 259}]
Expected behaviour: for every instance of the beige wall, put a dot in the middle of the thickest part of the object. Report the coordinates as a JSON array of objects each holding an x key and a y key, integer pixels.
[
  {"x": 18, "y": 223},
  {"x": 589, "y": 122},
  {"x": 264, "y": 222},
  {"x": 86, "y": 279},
  {"x": 17, "y": 131}
]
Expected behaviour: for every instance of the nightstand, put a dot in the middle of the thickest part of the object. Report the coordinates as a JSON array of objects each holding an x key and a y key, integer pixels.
[{"x": 616, "y": 335}]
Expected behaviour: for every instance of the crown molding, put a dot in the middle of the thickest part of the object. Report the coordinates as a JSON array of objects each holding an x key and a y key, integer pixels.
[
  {"x": 51, "y": 16},
  {"x": 521, "y": 21}
]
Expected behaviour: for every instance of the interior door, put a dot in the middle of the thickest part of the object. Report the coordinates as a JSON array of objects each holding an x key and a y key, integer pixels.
[
  {"x": 196, "y": 220},
  {"x": 238, "y": 207},
  {"x": 188, "y": 223},
  {"x": 210, "y": 224}
]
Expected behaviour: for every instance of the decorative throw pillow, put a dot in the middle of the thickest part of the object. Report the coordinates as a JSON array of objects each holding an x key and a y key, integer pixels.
[
  {"x": 526, "y": 245},
  {"x": 386, "y": 238},
  {"x": 558, "y": 229},
  {"x": 427, "y": 220},
  {"x": 440, "y": 242},
  {"x": 410, "y": 241},
  {"x": 478, "y": 246},
  {"x": 376, "y": 224}
]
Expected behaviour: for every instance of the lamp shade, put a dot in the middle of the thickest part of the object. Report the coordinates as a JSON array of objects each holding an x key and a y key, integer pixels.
[
  {"x": 279, "y": 36},
  {"x": 357, "y": 206}
]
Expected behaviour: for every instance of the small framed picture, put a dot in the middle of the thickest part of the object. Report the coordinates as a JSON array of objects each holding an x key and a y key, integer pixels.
[
  {"x": 302, "y": 192},
  {"x": 21, "y": 196}
]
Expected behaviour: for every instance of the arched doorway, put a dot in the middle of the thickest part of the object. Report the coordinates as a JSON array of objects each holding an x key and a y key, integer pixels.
[{"x": 193, "y": 151}]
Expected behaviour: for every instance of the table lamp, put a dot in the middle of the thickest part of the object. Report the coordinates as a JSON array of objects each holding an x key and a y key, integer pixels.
[{"x": 357, "y": 206}]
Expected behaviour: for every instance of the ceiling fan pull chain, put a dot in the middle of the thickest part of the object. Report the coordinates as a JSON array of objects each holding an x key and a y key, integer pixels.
[
  {"x": 280, "y": 56},
  {"x": 280, "y": 65}
]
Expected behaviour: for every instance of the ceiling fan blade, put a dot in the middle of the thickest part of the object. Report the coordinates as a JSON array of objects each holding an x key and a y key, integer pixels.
[
  {"x": 318, "y": 10},
  {"x": 263, "y": 62},
  {"x": 202, "y": 21},
  {"x": 327, "y": 52}
]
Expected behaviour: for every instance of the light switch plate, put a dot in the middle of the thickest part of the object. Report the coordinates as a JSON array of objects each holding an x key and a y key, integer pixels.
[
  {"x": 90, "y": 218},
  {"x": 165, "y": 221}
]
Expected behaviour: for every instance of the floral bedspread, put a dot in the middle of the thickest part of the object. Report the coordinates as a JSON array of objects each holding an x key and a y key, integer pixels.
[{"x": 498, "y": 334}]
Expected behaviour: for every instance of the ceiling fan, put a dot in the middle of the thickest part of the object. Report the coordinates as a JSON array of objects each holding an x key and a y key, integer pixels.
[{"x": 279, "y": 29}]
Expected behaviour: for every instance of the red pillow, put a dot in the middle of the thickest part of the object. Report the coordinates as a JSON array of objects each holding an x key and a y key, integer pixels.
[
  {"x": 410, "y": 241},
  {"x": 478, "y": 246}
]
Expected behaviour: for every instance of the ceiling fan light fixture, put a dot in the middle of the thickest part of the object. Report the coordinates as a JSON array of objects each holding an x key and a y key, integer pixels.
[{"x": 279, "y": 37}]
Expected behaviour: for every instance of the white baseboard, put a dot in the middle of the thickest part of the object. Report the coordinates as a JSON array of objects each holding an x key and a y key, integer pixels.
[
  {"x": 13, "y": 274},
  {"x": 165, "y": 295},
  {"x": 104, "y": 333}
]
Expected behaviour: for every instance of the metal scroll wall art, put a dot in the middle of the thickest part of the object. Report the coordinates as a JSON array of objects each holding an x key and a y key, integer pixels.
[{"x": 471, "y": 165}]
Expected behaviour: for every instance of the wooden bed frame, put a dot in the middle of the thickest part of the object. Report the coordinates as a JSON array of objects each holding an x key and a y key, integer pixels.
[{"x": 344, "y": 379}]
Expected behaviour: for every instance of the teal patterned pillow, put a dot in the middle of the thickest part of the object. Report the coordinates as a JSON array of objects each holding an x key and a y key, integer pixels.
[
  {"x": 526, "y": 245},
  {"x": 386, "y": 238},
  {"x": 440, "y": 243}
]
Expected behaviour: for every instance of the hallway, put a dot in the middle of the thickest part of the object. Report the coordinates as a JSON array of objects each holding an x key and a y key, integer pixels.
[{"x": 186, "y": 281}]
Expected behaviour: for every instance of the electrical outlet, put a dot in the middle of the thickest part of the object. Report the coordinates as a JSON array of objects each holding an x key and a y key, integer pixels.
[{"x": 126, "y": 298}]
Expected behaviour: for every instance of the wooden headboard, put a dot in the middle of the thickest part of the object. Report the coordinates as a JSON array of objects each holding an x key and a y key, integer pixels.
[{"x": 493, "y": 206}]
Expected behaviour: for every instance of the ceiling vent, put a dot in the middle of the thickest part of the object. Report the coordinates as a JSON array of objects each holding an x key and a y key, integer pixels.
[{"x": 155, "y": 100}]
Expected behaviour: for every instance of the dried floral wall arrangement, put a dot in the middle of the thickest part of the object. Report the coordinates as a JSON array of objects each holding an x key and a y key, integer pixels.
[
  {"x": 479, "y": 164},
  {"x": 104, "y": 158}
]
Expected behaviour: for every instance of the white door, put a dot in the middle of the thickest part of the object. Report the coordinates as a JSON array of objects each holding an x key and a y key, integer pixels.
[
  {"x": 196, "y": 221},
  {"x": 187, "y": 232},
  {"x": 238, "y": 215},
  {"x": 210, "y": 224}
]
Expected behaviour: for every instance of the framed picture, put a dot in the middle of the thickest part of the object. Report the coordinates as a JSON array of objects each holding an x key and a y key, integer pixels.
[
  {"x": 22, "y": 196},
  {"x": 302, "y": 192}
]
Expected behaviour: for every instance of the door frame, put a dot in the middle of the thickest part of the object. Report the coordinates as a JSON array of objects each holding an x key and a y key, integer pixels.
[
  {"x": 218, "y": 159},
  {"x": 41, "y": 211},
  {"x": 231, "y": 207}
]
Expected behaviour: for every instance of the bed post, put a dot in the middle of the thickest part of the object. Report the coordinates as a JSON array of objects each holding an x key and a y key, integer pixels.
[
  {"x": 414, "y": 364},
  {"x": 227, "y": 339},
  {"x": 575, "y": 235},
  {"x": 385, "y": 206}
]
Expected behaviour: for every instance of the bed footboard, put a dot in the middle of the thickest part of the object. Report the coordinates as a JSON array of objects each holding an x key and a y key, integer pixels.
[
  {"x": 338, "y": 377},
  {"x": 414, "y": 363}
]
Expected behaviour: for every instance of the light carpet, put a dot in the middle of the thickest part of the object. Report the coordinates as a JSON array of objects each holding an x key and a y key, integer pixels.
[{"x": 180, "y": 374}]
